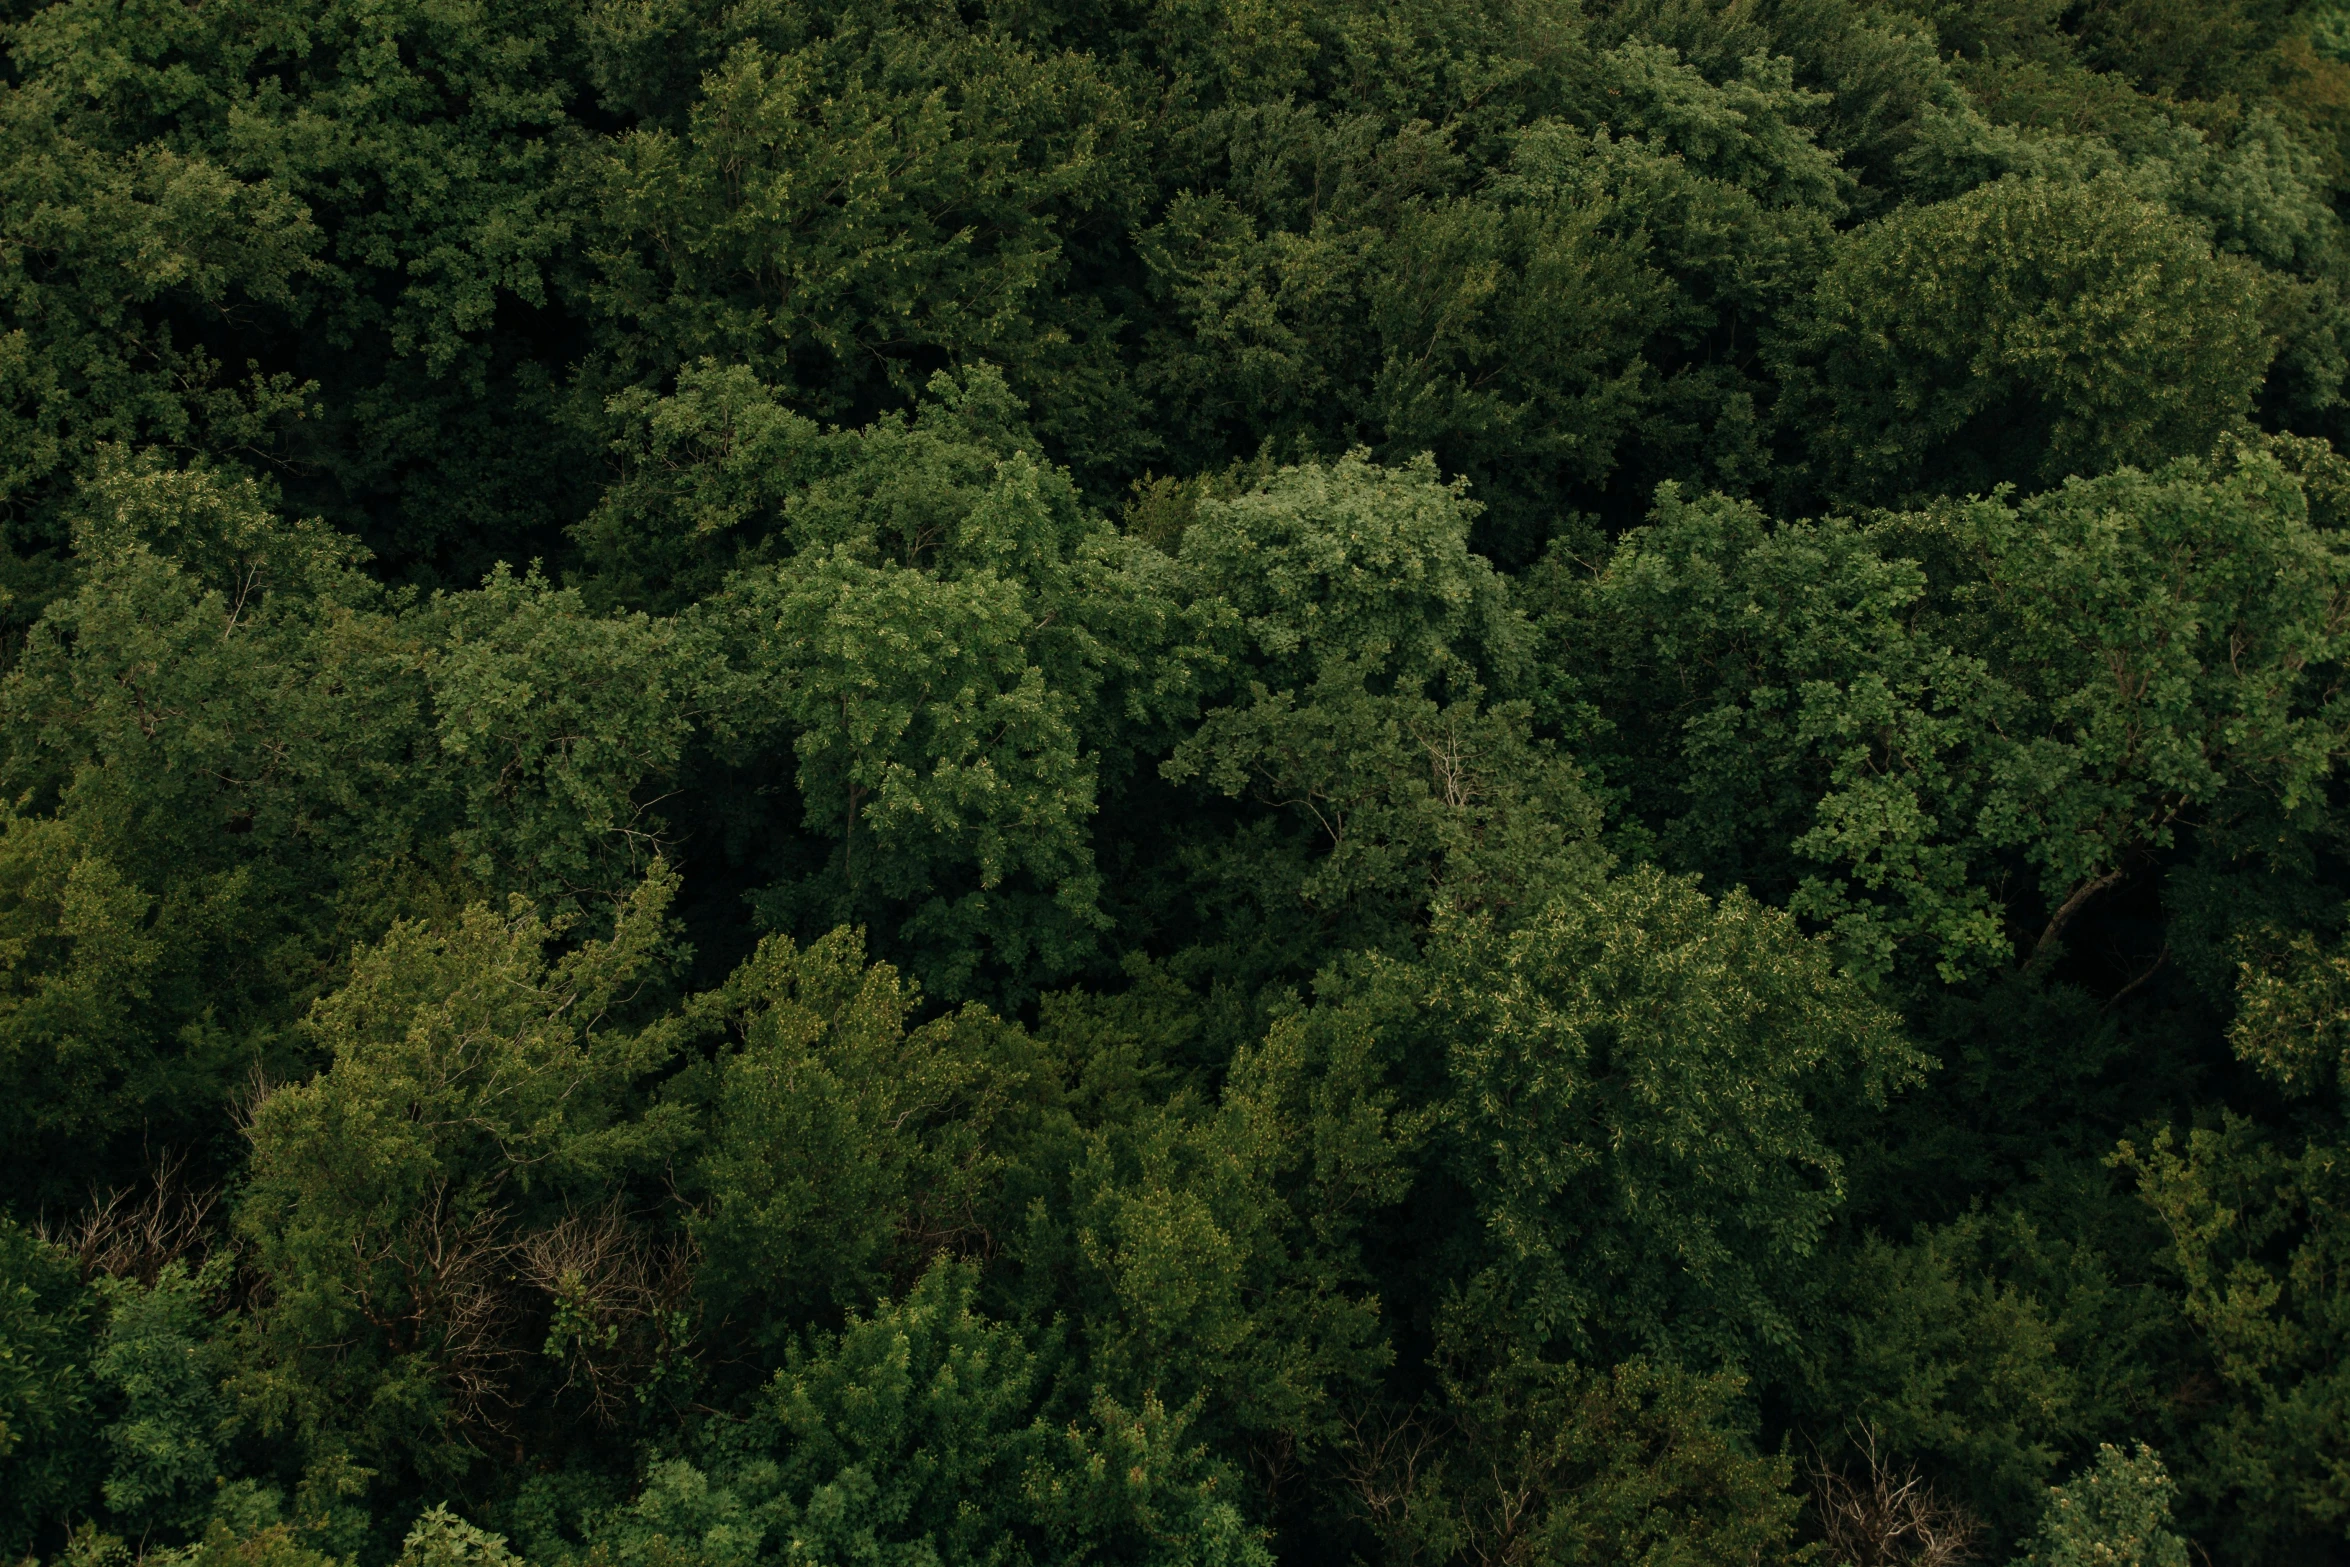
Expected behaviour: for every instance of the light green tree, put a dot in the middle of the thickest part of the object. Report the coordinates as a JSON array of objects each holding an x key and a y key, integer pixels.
[{"x": 2115, "y": 1513}]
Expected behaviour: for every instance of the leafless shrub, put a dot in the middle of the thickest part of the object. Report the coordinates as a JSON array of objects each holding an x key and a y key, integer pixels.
[
  {"x": 437, "y": 1285},
  {"x": 1881, "y": 1517},
  {"x": 136, "y": 1232},
  {"x": 617, "y": 1294}
]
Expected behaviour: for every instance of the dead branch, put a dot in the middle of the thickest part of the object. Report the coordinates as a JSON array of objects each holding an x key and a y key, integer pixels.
[
  {"x": 614, "y": 1290},
  {"x": 136, "y": 1232},
  {"x": 1881, "y": 1517}
]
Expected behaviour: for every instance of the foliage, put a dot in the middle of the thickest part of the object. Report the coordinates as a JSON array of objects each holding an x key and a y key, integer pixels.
[
  {"x": 892, "y": 1131},
  {"x": 164, "y": 1367},
  {"x": 1557, "y": 1463},
  {"x": 916, "y": 1434},
  {"x": 441, "y": 1539},
  {"x": 474, "y": 1087},
  {"x": 44, "y": 1357},
  {"x": 2051, "y": 684},
  {"x": 2118, "y": 1511},
  {"x": 1634, "y": 1080},
  {"x": 1367, "y": 644},
  {"x": 2021, "y": 332},
  {"x": 1440, "y": 782}
]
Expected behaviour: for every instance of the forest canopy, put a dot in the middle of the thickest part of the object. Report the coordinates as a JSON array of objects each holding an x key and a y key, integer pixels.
[{"x": 1174, "y": 783}]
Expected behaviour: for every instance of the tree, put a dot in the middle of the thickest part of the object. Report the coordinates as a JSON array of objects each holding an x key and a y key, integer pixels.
[
  {"x": 1771, "y": 704},
  {"x": 2026, "y": 330},
  {"x": 955, "y": 651},
  {"x": 201, "y": 740},
  {"x": 2255, "y": 1238},
  {"x": 2117, "y": 1511},
  {"x": 894, "y": 1132},
  {"x": 320, "y": 238},
  {"x": 557, "y": 726},
  {"x": 1216, "y": 1251},
  {"x": 915, "y": 1434},
  {"x": 163, "y": 1364},
  {"x": 1872, "y": 723},
  {"x": 47, "y": 1322},
  {"x": 1361, "y": 639},
  {"x": 1635, "y": 1080},
  {"x": 843, "y": 209},
  {"x": 2173, "y": 638},
  {"x": 1553, "y": 1462},
  {"x": 477, "y": 1090}
]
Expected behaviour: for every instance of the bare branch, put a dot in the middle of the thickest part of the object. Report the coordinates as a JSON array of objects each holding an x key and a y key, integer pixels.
[
  {"x": 137, "y": 1232},
  {"x": 1881, "y": 1517}
]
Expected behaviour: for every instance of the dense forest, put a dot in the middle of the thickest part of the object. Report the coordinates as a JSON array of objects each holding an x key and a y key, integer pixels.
[{"x": 1174, "y": 783}]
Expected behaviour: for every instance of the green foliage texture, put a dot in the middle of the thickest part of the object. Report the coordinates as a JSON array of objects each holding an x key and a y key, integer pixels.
[{"x": 1174, "y": 783}]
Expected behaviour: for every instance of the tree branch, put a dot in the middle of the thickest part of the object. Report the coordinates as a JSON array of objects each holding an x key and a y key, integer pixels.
[{"x": 2065, "y": 913}]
